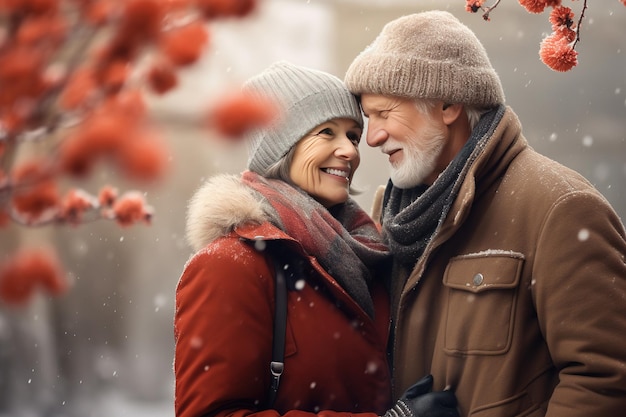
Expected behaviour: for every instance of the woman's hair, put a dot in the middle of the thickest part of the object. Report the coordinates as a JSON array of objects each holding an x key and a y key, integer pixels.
[{"x": 280, "y": 171}]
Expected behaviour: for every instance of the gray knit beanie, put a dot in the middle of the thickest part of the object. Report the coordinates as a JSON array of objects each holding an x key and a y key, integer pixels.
[
  {"x": 429, "y": 55},
  {"x": 305, "y": 98}
]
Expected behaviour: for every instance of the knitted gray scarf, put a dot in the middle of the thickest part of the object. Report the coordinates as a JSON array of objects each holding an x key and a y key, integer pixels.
[{"x": 411, "y": 217}]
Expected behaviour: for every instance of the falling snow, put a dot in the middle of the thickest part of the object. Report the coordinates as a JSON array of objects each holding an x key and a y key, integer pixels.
[{"x": 107, "y": 348}]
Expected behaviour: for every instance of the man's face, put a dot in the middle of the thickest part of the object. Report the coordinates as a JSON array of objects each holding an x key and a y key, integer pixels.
[{"x": 413, "y": 140}]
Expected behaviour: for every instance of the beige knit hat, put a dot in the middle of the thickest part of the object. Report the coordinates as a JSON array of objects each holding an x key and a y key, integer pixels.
[
  {"x": 429, "y": 55},
  {"x": 305, "y": 98}
]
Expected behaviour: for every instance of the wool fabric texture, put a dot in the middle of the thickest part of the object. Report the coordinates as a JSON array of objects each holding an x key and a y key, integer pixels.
[
  {"x": 343, "y": 239},
  {"x": 305, "y": 98},
  {"x": 428, "y": 55}
]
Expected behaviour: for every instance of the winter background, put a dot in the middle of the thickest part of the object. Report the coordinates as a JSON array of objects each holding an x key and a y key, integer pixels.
[{"x": 106, "y": 347}]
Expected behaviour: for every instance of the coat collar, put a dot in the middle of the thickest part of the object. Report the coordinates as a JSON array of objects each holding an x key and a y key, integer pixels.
[
  {"x": 219, "y": 206},
  {"x": 502, "y": 145}
]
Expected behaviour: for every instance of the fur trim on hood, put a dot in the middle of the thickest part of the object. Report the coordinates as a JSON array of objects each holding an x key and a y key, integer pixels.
[{"x": 221, "y": 204}]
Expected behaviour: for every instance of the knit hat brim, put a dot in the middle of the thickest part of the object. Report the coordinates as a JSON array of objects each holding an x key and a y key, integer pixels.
[
  {"x": 305, "y": 98},
  {"x": 429, "y": 55}
]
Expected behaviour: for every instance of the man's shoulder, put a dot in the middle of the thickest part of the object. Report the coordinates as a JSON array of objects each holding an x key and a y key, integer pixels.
[{"x": 535, "y": 172}]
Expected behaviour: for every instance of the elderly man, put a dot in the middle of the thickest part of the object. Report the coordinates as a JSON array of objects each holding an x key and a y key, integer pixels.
[{"x": 509, "y": 278}]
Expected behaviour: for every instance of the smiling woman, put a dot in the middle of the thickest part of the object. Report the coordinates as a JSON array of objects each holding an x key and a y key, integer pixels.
[
  {"x": 292, "y": 206},
  {"x": 324, "y": 161}
]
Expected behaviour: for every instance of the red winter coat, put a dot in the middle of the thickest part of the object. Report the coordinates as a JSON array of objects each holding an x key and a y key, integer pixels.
[{"x": 335, "y": 355}]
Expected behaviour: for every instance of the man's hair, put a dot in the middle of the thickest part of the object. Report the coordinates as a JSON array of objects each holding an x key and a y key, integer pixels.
[{"x": 473, "y": 113}]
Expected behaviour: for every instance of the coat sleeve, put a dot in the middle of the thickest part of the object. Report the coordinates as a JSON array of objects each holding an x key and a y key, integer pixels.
[
  {"x": 223, "y": 333},
  {"x": 222, "y": 329},
  {"x": 580, "y": 293}
]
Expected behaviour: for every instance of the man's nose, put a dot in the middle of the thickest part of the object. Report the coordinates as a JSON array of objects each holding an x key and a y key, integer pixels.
[{"x": 376, "y": 136}]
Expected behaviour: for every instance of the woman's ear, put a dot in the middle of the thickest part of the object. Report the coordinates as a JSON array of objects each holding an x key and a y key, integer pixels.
[{"x": 451, "y": 112}]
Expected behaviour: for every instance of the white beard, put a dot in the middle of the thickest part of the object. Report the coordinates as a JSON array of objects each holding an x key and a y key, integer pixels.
[{"x": 419, "y": 158}]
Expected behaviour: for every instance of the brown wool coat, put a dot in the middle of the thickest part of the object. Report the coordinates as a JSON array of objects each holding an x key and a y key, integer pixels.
[
  {"x": 335, "y": 354},
  {"x": 519, "y": 303}
]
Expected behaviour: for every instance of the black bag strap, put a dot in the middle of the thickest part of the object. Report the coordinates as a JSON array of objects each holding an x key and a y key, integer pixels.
[{"x": 277, "y": 366}]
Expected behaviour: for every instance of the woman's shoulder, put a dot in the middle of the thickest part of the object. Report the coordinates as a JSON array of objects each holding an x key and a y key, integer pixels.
[
  {"x": 226, "y": 263},
  {"x": 219, "y": 206},
  {"x": 229, "y": 250}
]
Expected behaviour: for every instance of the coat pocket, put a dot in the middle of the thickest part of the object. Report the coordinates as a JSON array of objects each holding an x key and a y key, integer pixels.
[
  {"x": 482, "y": 295},
  {"x": 519, "y": 405}
]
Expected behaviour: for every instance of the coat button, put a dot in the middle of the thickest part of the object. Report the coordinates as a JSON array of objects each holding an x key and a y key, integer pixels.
[{"x": 478, "y": 279}]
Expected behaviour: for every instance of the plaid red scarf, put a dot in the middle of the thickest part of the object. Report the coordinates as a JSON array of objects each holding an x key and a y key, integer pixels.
[{"x": 344, "y": 239}]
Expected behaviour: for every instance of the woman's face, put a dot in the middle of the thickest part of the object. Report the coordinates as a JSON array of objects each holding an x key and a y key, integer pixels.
[{"x": 325, "y": 159}]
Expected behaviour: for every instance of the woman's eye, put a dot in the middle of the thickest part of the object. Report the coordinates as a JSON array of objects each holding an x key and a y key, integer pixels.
[
  {"x": 326, "y": 131},
  {"x": 354, "y": 137}
]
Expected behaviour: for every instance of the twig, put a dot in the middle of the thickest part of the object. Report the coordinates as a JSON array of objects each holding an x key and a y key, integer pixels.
[
  {"x": 580, "y": 21},
  {"x": 488, "y": 9}
]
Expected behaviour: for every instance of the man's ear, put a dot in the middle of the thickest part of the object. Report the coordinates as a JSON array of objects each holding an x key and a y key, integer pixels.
[{"x": 451, "y": 113}]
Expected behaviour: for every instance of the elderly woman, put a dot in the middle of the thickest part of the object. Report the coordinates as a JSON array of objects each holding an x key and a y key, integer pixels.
[{"x": 290, "y": 210}]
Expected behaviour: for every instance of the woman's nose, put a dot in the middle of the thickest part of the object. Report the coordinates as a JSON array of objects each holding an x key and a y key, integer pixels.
[{"x": 347, "y": 149}]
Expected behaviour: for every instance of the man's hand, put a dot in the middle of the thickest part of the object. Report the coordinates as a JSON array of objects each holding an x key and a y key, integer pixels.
[{"x": 419, "y": 401}]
